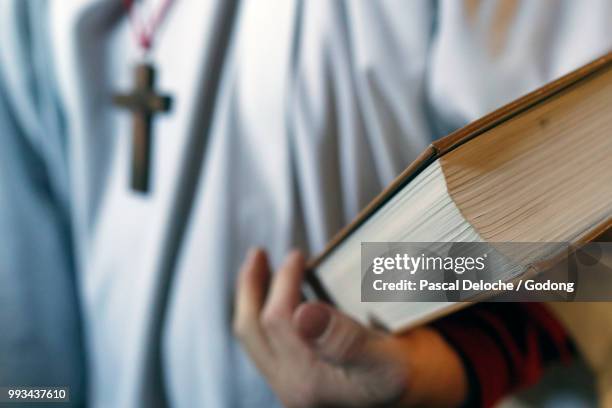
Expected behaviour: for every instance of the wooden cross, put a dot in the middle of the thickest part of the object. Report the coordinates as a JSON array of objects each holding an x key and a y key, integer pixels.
[{"x": 144, "y": 103}]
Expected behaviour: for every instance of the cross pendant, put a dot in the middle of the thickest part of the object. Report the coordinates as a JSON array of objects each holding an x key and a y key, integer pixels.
[{"x": 144, "y": 103}]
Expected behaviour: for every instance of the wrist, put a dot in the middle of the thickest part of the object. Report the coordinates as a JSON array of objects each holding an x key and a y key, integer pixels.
[{"x": 436, "y": 374}]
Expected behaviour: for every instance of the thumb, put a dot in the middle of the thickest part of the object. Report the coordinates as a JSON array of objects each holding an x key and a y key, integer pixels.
[{"x": 334, "y": 336}]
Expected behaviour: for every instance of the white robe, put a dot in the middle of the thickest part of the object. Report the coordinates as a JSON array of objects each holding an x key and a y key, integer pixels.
[{"x": 289, "y": 116}]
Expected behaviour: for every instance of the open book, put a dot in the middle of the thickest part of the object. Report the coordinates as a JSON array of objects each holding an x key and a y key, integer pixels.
[{"x": 536, "y": 170}]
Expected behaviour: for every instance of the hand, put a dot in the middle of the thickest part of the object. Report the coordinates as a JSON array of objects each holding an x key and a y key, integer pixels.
[{"x": 313, "y": 355}]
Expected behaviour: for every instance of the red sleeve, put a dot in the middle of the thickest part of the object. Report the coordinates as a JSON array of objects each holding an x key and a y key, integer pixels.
[{"x": 504, "y": 346}]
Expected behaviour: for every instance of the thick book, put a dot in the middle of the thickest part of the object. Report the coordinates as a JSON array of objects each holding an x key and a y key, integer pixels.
[{"x": 536, "y": 170}]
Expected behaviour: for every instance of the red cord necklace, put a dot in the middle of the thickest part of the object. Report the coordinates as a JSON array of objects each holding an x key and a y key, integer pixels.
[
  {"x": 144, "y": 32},
  {"x": 143, "y": 101}
]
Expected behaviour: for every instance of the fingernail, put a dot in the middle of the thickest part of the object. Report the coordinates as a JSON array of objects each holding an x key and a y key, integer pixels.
[
  {"x": 251, "y": 254},
  {"x": 312, "y": 321},
  {"x": 291, "y": 258}
]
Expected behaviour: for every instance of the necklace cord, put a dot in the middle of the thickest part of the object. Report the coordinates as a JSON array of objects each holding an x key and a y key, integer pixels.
[{"x": 145, "y": 33}]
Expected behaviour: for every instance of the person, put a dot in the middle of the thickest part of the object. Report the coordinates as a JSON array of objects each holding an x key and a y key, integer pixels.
[
  {"x": 287, "y": 117},
  {"x": 314, "y": 355}
]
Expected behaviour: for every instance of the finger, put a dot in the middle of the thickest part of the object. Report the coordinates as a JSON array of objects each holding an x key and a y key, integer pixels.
[
  {"x": 285, "y": 293},
  {"x": 366, "y": 371},
  {"x": 334, "y": 336},
  {"x": 252, "y": 286}
]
